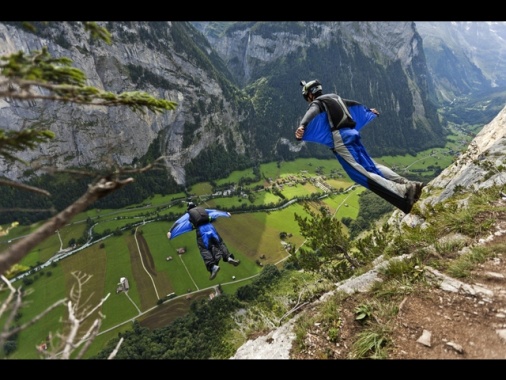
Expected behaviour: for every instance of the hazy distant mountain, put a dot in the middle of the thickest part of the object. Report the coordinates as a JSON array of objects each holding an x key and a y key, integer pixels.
[{"x": 467, "y": 61}]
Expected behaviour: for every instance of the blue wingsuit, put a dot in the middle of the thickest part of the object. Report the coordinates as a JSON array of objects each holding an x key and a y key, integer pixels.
[
  {"x": 343, "y": 136},
  {"x": 211, "y": 245}
]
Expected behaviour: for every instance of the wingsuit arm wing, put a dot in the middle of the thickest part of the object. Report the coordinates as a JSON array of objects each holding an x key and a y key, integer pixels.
[
  {"x": 318, "y": 131},
  {"x": 180, "y": 226},
  {"x": 213, "y": 214},
  {"x": 362, "y": 115},
  {"x": 183, "y": 224}
]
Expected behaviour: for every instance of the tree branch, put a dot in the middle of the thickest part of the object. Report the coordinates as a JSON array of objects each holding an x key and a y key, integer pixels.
[
  {"x": 4, "y": 182},
  {"x": 78, "y": 94},
  {"x": 22, "y": 247}
]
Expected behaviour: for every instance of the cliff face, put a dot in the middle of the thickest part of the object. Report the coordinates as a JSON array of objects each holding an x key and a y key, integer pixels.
[
  {"x": 143, "y": 56},
  {"x": 247, "y": 47},
  {"x": 480, "y": 166},
  {"x": 467, "y": 62}
]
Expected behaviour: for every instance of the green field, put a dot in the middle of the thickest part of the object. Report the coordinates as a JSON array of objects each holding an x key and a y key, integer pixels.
[{"x": 139, "y": 250}]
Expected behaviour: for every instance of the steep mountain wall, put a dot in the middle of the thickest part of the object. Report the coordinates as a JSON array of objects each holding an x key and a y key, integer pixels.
[{"x": 150, "y": 57}]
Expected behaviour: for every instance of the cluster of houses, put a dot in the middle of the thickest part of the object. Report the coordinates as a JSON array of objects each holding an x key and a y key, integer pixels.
[{"x": 292, "y": 180}]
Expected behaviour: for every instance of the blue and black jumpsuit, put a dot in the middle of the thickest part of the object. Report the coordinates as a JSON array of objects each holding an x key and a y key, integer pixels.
[
  {"x": 211, "y": 245},
  {"x": 344, "y": 118}
]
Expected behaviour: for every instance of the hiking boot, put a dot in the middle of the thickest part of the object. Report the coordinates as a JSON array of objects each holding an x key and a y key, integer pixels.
[
  {"x": 234, "y": 262},
  {"x": 419, "y": 187},
  {"x": 414, "y": 191},
  {"x": 411, "y": 193},
  {"x": 214, "y": 272}
]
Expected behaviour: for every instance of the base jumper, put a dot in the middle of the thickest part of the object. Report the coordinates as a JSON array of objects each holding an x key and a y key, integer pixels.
[
  {"x": 336, "y": 122},
  {"x": 211, "y": 246}
]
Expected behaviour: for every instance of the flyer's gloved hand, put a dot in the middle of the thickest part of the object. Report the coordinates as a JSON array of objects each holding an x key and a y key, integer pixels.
[{"x": 299, "y": 133}]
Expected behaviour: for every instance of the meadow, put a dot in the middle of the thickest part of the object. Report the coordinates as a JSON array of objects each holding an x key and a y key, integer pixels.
[{"x": 140, "y": 251}]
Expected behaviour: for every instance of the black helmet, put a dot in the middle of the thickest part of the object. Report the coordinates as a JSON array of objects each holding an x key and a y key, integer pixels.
[
  {"x": 313, "y": 86},
  {"x": 191, "y": 205}
]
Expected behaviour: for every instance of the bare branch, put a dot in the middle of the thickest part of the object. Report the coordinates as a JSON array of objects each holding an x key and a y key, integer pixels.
[
  {"x": 71, "y": 335},
  {"x": 38, "y": 317},
  {"x": 4, "y": 335},
  {"x": 81, "y": 173},
  {"x": 88, "y": 338},
  {"x": 16, "y": 304},
  {"x": 96, "y": 307},
  {"x": 78, "y": 313},
  {"x": 144, "y": 169},
  {"x": 4, "y": 182},
  {"x": 14, "y": 253},
  {"x": 17, "y": 209},
  {"x": 297, "y": 306},
  {"x": 294, "y": 309}
]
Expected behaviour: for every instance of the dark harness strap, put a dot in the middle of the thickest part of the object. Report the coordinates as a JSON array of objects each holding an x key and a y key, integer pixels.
[{"x": 338, "y": 112}]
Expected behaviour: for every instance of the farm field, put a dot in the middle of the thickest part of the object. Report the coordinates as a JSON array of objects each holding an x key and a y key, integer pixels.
[{"x": 135, "y": 248}]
